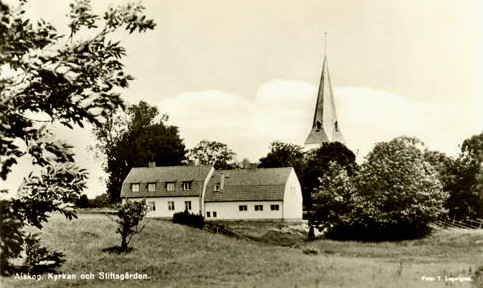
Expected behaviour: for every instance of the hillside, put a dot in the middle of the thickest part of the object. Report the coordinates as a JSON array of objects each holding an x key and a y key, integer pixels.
[{"x": 175, "y": 255}]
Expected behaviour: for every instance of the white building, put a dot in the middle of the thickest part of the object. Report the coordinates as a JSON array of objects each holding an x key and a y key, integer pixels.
[
  {"x": 254, "y": 194},
  {"x": 167, "y": 190},
  {"x": 249, "y": 194}
]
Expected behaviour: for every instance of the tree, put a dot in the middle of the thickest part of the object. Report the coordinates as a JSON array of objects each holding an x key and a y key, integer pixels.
[
  {"x": 54, "y": 79},
  {"x": 317, "y": 162},
  {"x": 145, "y": 138},
  {"x": 283, "y": 155},
  {"x": 333, "y": 199},
  {"x": 471, "y": 159},
  {"x": 83, "y": 201},
  {"x": 212, "y": 153},
  {"x": 394, "y": 196},
  {"x": 129, "y": 217},
  {"x": 286, "y": 155},
  {"x": 462, "y": 178}
]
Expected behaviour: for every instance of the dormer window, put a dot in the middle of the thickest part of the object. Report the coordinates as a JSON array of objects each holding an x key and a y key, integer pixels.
[
  {"x": 135, "y": 187},
  {"x": 151, "y": 187},
  {"x": 217, "y": 187},
  {"x": 170, "y": 186},
  {"x": 187, "y": 185}
]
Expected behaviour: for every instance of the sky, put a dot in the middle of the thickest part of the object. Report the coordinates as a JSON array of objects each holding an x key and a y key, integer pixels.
[{"x": 246, "y": 72}]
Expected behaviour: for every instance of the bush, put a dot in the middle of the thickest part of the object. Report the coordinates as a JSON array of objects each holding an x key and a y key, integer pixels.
[
  {"x": 129, "y": 216},
  {"x": 187, "y": 218}
]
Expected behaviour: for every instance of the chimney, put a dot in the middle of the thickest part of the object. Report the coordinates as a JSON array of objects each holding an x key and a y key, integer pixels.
[
  {"x": 222, "y": 181},
  {"x": 151, "y": 164}
]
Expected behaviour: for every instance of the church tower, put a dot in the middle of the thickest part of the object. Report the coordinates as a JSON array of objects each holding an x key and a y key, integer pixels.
[{"x": 325, "y": 126}]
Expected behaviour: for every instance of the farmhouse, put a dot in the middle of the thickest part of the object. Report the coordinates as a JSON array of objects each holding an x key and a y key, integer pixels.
[
  {"x": 167, "y": 190},
  {"x": 247, "y": 194},
  {"x": 256, "y": 194}
]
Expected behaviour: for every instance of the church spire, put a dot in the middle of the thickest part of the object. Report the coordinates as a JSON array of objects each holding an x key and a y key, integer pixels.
[{"x": 325, "y": 126}]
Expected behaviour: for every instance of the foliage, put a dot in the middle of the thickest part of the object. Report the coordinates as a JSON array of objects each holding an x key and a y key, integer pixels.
[
  {"x": 38, "y": 258},
  {"x": 189, "y": 219},
  {"x": 103, "y": 200},
  {"x": 83, "y": 202},
  {"x": 129, "y": 217},
  {"x": 462, "y": 178},
  {"x": 144, "y": 139},
  {"x": 10, "y": 226},
  {"x": 333, "y": 199},
  {"x": 317, "y": 162},
  {"x": 471, "y": 179},
  {"x": 283, "y": 155},
  {"x": 212, "y": 153},
  {"x": 395, "y": 195},
  {"x": 49, "y": 78},
  {"x": 286, "y": 155}
]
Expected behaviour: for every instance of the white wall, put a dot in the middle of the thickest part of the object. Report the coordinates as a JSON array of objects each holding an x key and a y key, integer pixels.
[
  {"x": 231, "y": 211},
  {"x": 292, "y": 200},
  {"x": 161, "y": 205}
]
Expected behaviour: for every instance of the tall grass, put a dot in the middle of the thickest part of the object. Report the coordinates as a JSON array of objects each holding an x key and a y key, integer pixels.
[{"x": 177, "y": 255}]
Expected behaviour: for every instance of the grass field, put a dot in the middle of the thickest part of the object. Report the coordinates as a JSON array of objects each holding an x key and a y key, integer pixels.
[{"x": 175, "y": 255}]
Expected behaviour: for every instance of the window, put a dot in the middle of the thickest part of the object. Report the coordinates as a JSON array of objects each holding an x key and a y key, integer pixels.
[
  {"x": 151, "y": 187},
  {"x": 151, "y": 206},
  {"x": 214, "y": 214},
  {"x": 336, "y": 126},
  {"x": 170, "y": 186},
  {"x": 187, "y": 185},
  {"x": 171, "y": 205},
  {"x": 135, "y": 187},
  {"x": 258, "y": 207},
  {"x": 187, "y": 205},
  {"x": 217, "y": 187},
  {"x": 243, "y": 207},
  {"x": 207, "y": 214},
  {"x": 274, "y": 207},
  {"x": 318, "y": 125}
]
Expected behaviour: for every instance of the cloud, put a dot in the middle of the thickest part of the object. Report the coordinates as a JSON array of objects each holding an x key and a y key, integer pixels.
[
  {"x": 277, "y": 112},
  {"x": 283, "y": 110}
]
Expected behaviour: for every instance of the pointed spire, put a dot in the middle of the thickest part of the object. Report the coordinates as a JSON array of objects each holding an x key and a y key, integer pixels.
[{"x": 325, "y": 126}]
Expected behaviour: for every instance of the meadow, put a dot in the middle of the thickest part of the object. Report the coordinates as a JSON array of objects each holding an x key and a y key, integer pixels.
[{"x": 171, "y": 255}]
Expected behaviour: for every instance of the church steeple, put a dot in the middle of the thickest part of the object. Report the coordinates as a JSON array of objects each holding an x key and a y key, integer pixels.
[{"x": 325, "y": 126}]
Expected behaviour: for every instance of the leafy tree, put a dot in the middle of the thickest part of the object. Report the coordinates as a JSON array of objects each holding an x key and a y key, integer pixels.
[
  {"x": 49, "y": 78},
  {"x": 100, "y": 201},
  {"x": 395, "y": 195},
  {"x": 284, "y": 155},
  {"x": 83, "y": 201},
  {"x": 145, "y": 138},
  {"x": 333, "y": 199},
  {"x": 462, "y": 178},
  {"x": 466, "y": 194},
  {"x": 317, "y": 162},
  {"x": 212, "y": 153},
  {"x": 129, "y": 217},
  {"x": 288, "y": 155}
]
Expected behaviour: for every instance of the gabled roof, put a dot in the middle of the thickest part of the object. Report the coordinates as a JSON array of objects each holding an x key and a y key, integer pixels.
[
  {"x": 162, "y": 175},
  {"x": 264, "y": 184}
]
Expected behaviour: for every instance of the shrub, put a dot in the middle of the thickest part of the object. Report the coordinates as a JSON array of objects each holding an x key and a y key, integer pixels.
[
  {"x": 187, "y": 218},
  {"x": 129, "y": 216}
]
